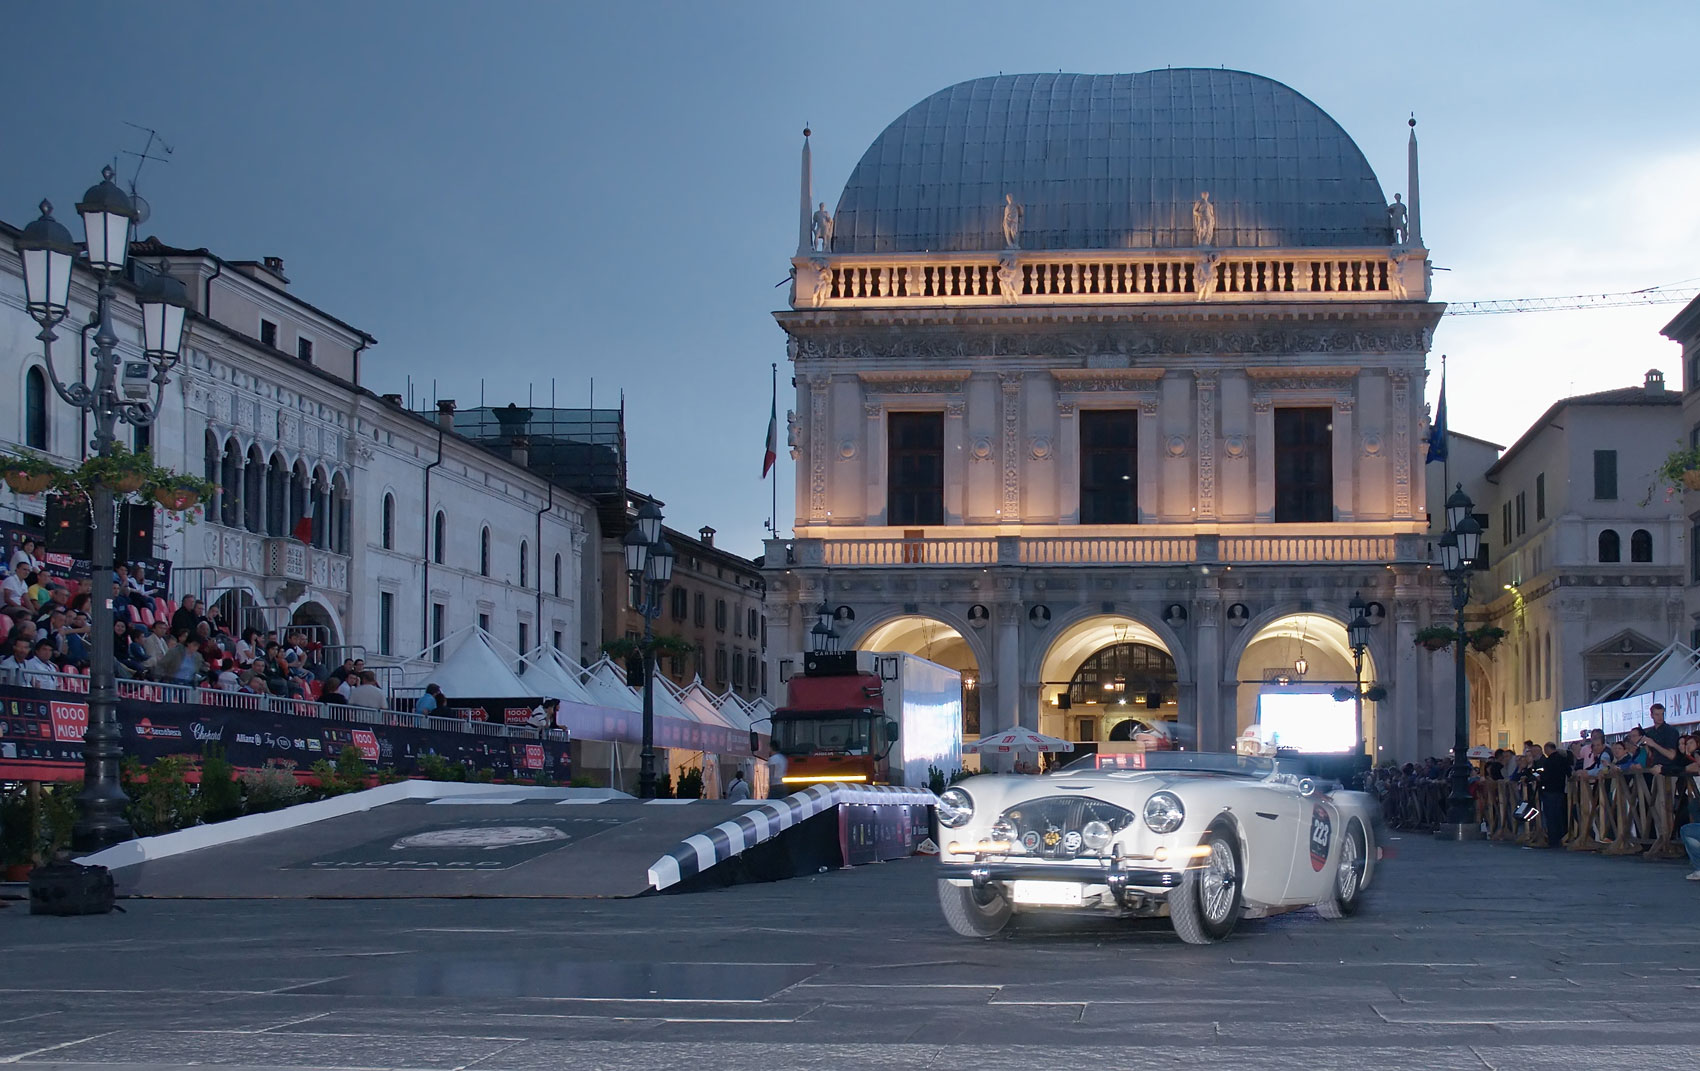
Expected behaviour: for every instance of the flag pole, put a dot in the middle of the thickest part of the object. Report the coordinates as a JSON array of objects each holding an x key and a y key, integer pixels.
[
  {"x": 1446, "y": 430},
  {"x": 773, "y": 515}
]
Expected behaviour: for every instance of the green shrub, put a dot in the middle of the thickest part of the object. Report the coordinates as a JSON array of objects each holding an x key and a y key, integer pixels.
[
  {"x": 16, "y": 841},
  {"x": 436, "y": 768},
  {"x": 57, "y": 819},
  {"x": 221, "y": 796},
  {"x": 270, "y": 789},
  {"x": 690, "y": 783},
  {"x": 161, "y": 799}
]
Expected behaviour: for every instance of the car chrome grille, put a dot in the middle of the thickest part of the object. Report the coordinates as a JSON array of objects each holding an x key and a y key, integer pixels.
[{"x": 1049, "y": 827}]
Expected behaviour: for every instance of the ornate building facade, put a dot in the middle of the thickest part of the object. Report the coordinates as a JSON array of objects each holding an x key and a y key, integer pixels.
[{"x": 1110, "y": 394}]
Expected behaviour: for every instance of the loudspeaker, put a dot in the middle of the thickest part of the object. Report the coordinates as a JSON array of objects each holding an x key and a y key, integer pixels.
[
  {"x": 68, "y": 525},
  {"x": 135, "y": 532}
]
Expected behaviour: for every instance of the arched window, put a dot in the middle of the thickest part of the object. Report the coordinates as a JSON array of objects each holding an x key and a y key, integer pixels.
[
  {"x": 1641, "y": 546},
  {"x": 484, "y": 553},
  {"x": 557, "y": 576},
  {"x": 524, "y": 568},
  {"x": 1611, "y": 547},
  {"x": 387, "y": 527},
  {"x": 439, "y": 537},
  {"x": 35, "y": 409},
  {"x": 230, "y": 486}
]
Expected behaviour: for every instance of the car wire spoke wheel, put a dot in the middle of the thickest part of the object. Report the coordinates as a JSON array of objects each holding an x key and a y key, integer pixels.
[
  {"x": 1347, "y": 890},
  {"x": 1221, "y": 882}
]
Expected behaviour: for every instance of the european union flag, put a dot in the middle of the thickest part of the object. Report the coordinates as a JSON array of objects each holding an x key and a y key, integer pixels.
[{"x": 1437, "y": 430}]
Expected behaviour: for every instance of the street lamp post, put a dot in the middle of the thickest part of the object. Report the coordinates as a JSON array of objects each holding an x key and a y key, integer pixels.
[
  {"x": 1459, "y": 547},
  {"x": 649, "y": 564},
  {"x": 48, "y": 253},
  {"x": 1357, "y": 633}
]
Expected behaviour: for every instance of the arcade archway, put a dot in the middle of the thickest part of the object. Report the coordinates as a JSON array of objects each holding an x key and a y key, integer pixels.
[
  {"x": 1103, "y": 673},
  {"x": 1293, "y": 671},
  {"x": 936, "y": 642}
]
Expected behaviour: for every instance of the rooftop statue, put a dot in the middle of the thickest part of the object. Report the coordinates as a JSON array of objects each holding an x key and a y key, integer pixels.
[
  {"x": 1009, "y": 280},
  {"x": 1203, "y": 221},
  {"x": 820, "y": 229},
  {"x": 1396, "y": 213},
  {"x": 1012, "y": 215},
  {"x": 823, "y": 282},
  {"x": 1207, "y": 275}
]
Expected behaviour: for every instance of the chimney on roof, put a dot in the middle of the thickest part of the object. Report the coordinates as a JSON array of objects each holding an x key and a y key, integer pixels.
[
  {"x": 706, "y": 534},
  {"x": 393, "y": 399},
  {"x": 1655, "y": 381},
  {"x": 519, "y": 451},
  {"x": 446, "y": 414},
  {"x": 266, "y": 269}
]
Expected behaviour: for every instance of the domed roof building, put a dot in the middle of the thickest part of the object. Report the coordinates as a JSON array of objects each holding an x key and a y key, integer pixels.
[
  {"x": 1110, "y": 395},
  {"x": 1111, "y": 162}
]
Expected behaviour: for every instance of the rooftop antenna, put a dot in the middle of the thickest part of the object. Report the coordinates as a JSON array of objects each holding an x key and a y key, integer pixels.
[{"x": 143, "y": 209}]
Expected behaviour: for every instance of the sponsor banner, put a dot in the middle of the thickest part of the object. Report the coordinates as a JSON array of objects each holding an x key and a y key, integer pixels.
[
  {"x": 38, "y": 733},
  {"x": 516, "y": 715},
  {"x": 70, "y": 720}
]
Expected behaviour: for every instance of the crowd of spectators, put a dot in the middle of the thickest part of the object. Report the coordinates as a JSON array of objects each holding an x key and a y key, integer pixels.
[{"x": 47, "y": 622}]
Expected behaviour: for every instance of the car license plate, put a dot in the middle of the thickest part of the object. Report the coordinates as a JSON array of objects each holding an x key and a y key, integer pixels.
[{"x": 1046, "y": 893}]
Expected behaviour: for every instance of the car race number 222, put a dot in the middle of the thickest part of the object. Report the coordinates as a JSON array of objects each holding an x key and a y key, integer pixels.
[{"x": 1321, "y": 837}]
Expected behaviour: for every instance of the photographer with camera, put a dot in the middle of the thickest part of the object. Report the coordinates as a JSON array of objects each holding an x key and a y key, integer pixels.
[{"x": 1551, "y": 772}]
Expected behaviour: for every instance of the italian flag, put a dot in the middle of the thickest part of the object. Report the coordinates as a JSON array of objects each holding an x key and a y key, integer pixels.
[
  {"x": 772, "y": 454},
  {"x": 304, "y": 527}
]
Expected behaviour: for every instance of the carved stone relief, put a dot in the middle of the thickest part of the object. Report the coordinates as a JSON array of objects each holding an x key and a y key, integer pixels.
[
  {"x": 1206, "y": 445},
  {"x": 817, "y": 448},
  {"x": 1401, "y": 381},
  {"x": 1011, "y": 446},
  {"x": 1100, "y": 344},
  {"x": 1040, "y": 447}
]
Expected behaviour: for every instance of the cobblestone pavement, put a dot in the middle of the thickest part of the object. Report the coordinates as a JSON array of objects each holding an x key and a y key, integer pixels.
[{"x": 1466, "y": 956}]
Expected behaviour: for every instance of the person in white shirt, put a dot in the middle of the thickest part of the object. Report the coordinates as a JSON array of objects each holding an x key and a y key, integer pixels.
[
  {"x": 739, "y": 789},
  {"x": 13, "y": 590},
  {"x": 40, "y": 671},
  {"x": 367, "y": 693},
  {"x": 543, "y": 715},
  {"x": 12, "y": 666}
]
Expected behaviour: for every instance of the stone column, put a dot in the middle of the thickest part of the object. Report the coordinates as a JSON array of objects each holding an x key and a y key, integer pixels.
[
  {"x": 873, "y": 461},
  {"x": 1207, "y": 657},
  {"x": 1407, "y": 683},
  {"x": 1005, "y": 710},
  {"x": 955, "y": 464},
  {"x": 1263, "y": 457},
  {"x": 1345, "y": 449},
  {"x": 1150, "y": 473},
  {"x": 1066, "y": 453}
]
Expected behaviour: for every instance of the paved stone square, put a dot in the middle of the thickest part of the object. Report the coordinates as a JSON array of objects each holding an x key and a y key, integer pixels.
[{"x": 1466, "y": 956}]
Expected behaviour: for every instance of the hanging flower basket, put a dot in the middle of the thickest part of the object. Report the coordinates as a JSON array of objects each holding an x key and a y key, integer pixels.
[
  {"x": 176, "y": 499},
  {"x": 28, "y": 483},
  {"x": 1486, "y": 638},
  {"x": 1435, "y": 638},
  {"x": 1691, "y": 479},
  {"x": 128, "y": 483}
]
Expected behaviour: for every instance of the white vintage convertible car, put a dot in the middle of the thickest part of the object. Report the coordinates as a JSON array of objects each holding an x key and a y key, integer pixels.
[{"x": 1206, "y": 839}]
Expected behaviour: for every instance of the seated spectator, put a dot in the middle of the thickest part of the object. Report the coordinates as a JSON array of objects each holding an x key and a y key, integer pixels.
[
  {"x": 24, "y": 554},
  {"x": 431, "y": 702},
  {"x": 245, "y": 649},
  {"x": 182, "y": 664},
  {"x": 367, "y": 693},
  {"x": 224, "y": 678},
  {"x": 74, "y": 640},
  {"x": 188, "y": 615},
  {"x": 127, "y": 647},
  {"x": 156, "y": 643},
  {"x": 41, "y": 671},
  {"x": 255, "y": 684},
  {"x": 12, "y": 666},
  {"x": 130, "y": 589},
  {"x": 13, "y": 588}
]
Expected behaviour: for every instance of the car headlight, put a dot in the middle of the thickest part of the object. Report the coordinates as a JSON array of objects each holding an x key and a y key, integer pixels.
[
  {"x": 1096, "y": 835},
  {"x": 1003, "y": 829},
  {"x": 956, "y": 807},
  {"x": 1164, "y": 813}
]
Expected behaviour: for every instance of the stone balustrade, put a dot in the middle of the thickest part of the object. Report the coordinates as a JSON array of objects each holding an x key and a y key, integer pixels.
[
  {"x": 1153, "y": 277},
  {"x": 1097, "y": 550}
]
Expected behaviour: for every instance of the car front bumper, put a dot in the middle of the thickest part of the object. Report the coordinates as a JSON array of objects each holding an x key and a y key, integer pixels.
[{"x": 1116, "y": 878}]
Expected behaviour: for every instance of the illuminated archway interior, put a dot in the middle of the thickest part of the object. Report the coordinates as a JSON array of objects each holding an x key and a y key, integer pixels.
[
  {"x": 1301, "y": 654},
  {"x": 936, "y": 642},
  {"x": 1093, "y": 653}
]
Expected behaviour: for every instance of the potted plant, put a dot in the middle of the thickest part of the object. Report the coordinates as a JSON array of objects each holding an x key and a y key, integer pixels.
[
  {"x": 28, "y": 474},
  {"x": 120, "y": 471},
  {"x": 17, "y": 837},
  {"x": 1681, "y": 469},
  {"x": 177, "y": 492},
  {"x": 1436, "y": 637},
  {"x": 1486, "y": 638}
]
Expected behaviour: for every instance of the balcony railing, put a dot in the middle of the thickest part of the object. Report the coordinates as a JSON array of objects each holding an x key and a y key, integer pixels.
[
  {"x": 1134, "y": 277},
  {"x": 1169, "y": 548},
  {"x": 237, "y": 550}
]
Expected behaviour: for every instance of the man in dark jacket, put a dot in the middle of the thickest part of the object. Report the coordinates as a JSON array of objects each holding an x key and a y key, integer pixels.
[{"x": 1552, "y": 772}]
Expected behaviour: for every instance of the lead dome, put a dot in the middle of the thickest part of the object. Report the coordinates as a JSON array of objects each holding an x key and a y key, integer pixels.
[{"x": 1111, "y": 162}]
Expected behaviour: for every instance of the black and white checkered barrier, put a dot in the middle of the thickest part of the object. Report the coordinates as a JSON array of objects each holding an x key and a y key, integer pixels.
[{"x": 766, "y": 820}]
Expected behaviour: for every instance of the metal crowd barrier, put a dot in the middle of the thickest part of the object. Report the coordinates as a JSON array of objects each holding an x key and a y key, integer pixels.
[{"x": 157, "y": 692}]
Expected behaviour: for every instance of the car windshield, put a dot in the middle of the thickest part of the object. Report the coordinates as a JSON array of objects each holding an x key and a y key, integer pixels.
[
  {"x": 805, "y": 736},
  {"x": 1192, "y": 761}
]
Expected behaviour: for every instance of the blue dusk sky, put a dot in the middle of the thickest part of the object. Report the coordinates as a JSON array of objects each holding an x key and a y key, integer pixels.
[{"x": 507, "y": 194}]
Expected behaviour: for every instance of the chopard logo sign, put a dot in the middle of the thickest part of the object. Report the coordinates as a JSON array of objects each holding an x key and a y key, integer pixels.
[{"x": 204, "y": 733}]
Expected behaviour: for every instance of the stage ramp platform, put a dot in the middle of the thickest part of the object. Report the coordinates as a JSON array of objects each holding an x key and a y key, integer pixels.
[{"x": 429, "y": 839}]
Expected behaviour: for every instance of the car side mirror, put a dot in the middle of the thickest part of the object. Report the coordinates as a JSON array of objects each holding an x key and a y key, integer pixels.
[
  {"x": 755, "y": 741},
  {"x": 891, "y": 728}
]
